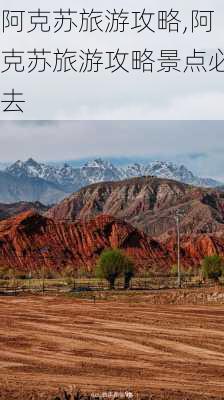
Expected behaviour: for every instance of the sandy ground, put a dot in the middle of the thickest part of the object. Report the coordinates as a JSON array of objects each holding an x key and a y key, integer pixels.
[{"x": 46, "y": 342}]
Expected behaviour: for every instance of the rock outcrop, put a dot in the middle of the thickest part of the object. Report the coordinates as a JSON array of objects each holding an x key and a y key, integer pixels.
[
  {"x": 31, "y": 241},
  {"x": 195, "y": 247}
]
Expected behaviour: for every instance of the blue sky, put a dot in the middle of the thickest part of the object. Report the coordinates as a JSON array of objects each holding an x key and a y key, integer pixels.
[{"x": 197, "y": 144}]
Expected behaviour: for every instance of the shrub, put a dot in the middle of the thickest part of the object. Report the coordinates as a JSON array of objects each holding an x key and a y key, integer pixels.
[
  {"x": 5, "y": 273},
  {"x": 213, "y": 267},
  {"x": 174, "y": 270},
  {"x": 128, "y": 271},
  {"x": 112, "y": 264}
]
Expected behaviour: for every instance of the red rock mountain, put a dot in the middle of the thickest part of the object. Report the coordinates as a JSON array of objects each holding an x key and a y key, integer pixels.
[
  {"x": 30, "y": 241},
  {"x": 195, "y": 247},
  {"x": 148, "y": 203}
]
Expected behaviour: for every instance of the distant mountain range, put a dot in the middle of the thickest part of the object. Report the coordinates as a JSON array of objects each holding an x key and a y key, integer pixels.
[
  {"x": 21, "y": 188},
  {"x": 34, "y": 181},
  {"x": 13, "y": 209}
]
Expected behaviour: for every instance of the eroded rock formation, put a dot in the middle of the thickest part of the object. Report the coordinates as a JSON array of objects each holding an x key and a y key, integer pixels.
[
  {"x": 149, "y": 204},
  {"x": 31, "y": 241}
]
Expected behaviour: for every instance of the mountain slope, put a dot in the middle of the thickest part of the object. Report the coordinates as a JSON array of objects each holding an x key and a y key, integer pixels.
[
  {"x": 14, "y": 189},
  {"x": 148, "y": 203},
  {"x": 13, "y": 209},
  {"x": 195, "y": 247},
  {"x": 30, "y": 241}
]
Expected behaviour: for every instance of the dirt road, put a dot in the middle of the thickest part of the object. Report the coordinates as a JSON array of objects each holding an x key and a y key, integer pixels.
[{"x": 46, "y": 342}]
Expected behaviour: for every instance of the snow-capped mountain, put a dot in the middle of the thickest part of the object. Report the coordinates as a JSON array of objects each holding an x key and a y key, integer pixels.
[
  {"x": 32, "y": 169},
  {"x": 176, "y": 172},
  {"x": 3, "y": 165},
  {"x": 100, "y": 171},
  {"x": 168, "y": 170},
  {"x": 68, "y": 177},
  {"x": 71, "y": 179}
]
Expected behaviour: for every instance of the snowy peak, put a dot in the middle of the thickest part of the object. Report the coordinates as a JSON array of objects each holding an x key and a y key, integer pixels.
[
  {"x": 31, "y": 163},
  {"x": 134, "y": 170},
  {"x": 32, "y": 169},
  {"x": 170, "y": 170},
  {"x": 100, "y": 170},
  {"x": 72, "y": 179},
  {"x": 165, "y": 169},
  {"x": 98, "y": 163}
]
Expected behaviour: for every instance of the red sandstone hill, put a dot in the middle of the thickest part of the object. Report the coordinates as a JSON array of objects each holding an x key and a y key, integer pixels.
[
  {"x": 30, "y": 241},
  {"x": 195, "y": 247},
  {"x": 148, "y": 203}
]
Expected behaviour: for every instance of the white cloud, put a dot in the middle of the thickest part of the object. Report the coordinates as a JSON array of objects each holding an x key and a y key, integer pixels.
[{"x": 198, "y": 144}]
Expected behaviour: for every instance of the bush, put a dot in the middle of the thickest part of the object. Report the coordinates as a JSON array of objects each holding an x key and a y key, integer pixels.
[
  {"x": 5, "y": 273},
  {"x": 213, "y": 267},
  {"x": 128, "y": 271},
  {"x": 174, "y": 270},
  {"x": 112, "y": 264}
]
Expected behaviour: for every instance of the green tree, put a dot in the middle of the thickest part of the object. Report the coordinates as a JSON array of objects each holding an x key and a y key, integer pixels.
[
  {"x": 213, "y": 267},
  {"x": 112, "y": 264},
  {"x": 128, "y": 271}
]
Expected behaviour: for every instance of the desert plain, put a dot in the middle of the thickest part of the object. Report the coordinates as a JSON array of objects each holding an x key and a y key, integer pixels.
[{"x": 169, "y": 351}]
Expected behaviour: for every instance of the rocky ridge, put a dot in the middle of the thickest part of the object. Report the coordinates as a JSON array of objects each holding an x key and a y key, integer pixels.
[
  {"x": 148, "y": 203},
  {"x": 30, "y": 241}
]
